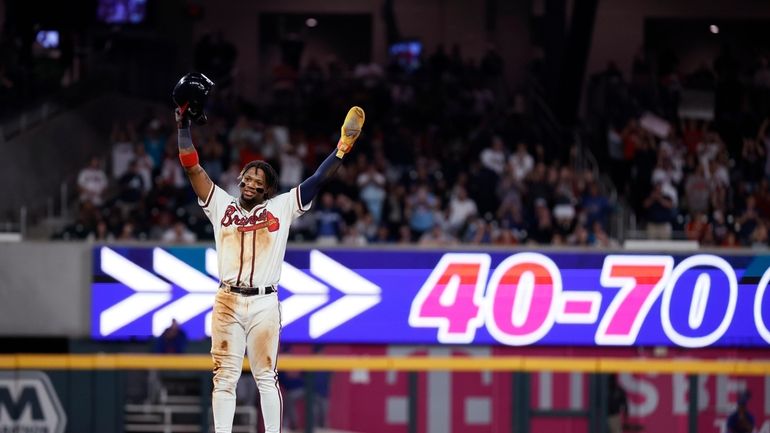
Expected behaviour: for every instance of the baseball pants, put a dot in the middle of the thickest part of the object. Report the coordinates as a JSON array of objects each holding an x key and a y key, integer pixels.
[{"x": 240, "y": 324}]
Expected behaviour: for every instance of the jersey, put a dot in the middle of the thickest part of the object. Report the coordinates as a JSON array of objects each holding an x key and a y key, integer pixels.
[{"x": 251, "y": 244}]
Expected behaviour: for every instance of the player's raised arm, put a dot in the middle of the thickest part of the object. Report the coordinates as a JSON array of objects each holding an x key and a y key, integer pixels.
[
  {"x": 190, "y": 95},
  {"x": 350, "y": 131},
  {"x": 188, "y": 156}
]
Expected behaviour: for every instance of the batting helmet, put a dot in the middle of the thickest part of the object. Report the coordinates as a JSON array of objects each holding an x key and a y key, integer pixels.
[{"x": 190, "y": 95}]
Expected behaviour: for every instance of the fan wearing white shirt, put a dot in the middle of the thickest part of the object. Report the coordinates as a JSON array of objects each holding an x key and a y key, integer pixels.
[{"x": 521, "y": 163}]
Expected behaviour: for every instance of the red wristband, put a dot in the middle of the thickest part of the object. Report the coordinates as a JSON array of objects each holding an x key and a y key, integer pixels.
[{"x": 189, "y": 159}]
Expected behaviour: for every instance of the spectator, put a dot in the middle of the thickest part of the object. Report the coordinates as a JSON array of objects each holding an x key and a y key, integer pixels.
[
  {"x": 404, "y": 235},
  {"x": 244, "y": 131},
  {"x": 596, "y": 206},
  {"x": 131, "y": 185},
  {"x": 493, "y": 157},
  {"x": 420, "y": 210},
  {"x": 229, "y": 179},
  {"x": 667, "y": 169},
  {"x": 730, "y": 240},
  {"x": 719, "y": 227},
  {"x": 212, "y": 153},
  {"x": 479, "y": 232},
  {"x": 542, "y": 230},
  {"x": 144, "y": 166},
  {"x": 461, "y": 209},
  {"x": 752, "y": 161},
  {"x": 290, "y": 172},
  {"x": 347, "y": 209},
  {"x": 436, "y": 237},
  {"x": 329, "y": 220},
  {"x": 353, "y": 237},
  {"x": 122, "y": 150},
  {"x": 92, "y": 182},
  {"x": 748, "y": 221},
  {"x": 383, "y": 235},
  {"x": 505, "y": 237},
  {"x": 101, "y": 233},
  {"x": 697, "y": 227},
  {"x": 521, "y": 163},
  {"x": 579, "y": 237},
  {"x": 659, "y": 207},
  {"x": 697, "y": 191},
  {"x": 371, "y": 186},
  {"x": 171, "y": 172},
  {"x": 173, "y": 340},
  {"x": 762, "y": 198},
  {"x": 178, "y": 234},
  {"x": 759, "y": 237},
  {"x": 537, "y": 185},
  {"x": 692, "y": 134},
  {"x": 128, "y": 232},
  {"x": 564, "y": 192},
  {"x": 565, "y": 220},
  {"x": 600, "y": 239},
  {"x": 741, "y": 420},
  {"x": 154, "y": 142}
]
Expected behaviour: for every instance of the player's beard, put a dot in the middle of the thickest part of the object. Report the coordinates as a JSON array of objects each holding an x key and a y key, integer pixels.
[{"x": 256, "y": 200}]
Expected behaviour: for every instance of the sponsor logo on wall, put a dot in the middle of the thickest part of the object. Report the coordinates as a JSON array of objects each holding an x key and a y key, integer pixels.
[{"x": 29, "y": 404}]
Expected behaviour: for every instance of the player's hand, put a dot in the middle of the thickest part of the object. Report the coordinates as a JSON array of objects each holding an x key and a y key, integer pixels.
[
  {"x": 182, "y": 120},
  {"x": 350, "y": 130}
]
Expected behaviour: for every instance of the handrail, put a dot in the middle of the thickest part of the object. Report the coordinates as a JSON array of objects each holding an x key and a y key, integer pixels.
[{"x": 742, "y": 367}]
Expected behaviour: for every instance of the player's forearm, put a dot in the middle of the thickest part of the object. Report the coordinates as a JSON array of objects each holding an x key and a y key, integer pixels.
[
  {"x": 184, "y": 140},
  {"x": 310, "y": 187},
  {"x": 188, "y": 156}
]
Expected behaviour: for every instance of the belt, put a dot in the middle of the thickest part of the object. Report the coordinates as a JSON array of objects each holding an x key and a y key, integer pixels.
[{"x": 249, "y": 291}]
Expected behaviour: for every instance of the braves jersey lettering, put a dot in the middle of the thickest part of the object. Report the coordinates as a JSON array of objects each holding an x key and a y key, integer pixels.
[
  {"x": 251, "y": 244},
  {"x": 255, "y": 222}
]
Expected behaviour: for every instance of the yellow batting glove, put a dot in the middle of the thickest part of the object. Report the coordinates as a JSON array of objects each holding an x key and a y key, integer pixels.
[{"x": 351, "y": 129}]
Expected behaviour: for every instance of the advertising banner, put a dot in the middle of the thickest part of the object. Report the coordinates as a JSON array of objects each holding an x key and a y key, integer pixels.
[
  {"x": 481, "y": 402},
  {"x": 433, "y": 297},
  {"x": 29, "y": 403}
]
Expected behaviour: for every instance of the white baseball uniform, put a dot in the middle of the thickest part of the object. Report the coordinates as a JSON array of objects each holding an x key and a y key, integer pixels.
[{"x": 250, "y": 251}]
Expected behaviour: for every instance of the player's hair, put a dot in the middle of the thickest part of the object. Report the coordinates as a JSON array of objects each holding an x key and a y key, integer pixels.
[{"x": 271, "y": 177}]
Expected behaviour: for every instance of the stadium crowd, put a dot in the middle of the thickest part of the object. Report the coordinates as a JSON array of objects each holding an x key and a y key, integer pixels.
[
  {"x": 700, "y": 173},
  {"x": 450, "y": 154}
]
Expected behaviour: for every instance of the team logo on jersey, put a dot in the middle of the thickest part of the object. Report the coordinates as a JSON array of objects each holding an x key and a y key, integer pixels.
[{"x": 258, "y": 221}]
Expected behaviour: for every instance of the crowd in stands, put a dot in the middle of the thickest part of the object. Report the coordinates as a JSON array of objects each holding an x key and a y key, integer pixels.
[
  {"x": 449, "y": 154},
  {"x": 684, "y": 173}
]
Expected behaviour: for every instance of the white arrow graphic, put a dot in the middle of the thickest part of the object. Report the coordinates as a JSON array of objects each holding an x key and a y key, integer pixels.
[
  {"x": 360, "y": 294},
  {"x": 309, "y": 294},
  {"x": 200, "y": 287},
  {"x": 151, "y": 292}
]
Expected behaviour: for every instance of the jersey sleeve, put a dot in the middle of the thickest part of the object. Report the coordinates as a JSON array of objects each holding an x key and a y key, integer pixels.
[
  {"x": 291, "y": 204},
  {"x": 216, "y": 203}
]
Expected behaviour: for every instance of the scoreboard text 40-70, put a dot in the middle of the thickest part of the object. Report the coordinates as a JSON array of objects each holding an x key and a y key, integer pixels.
[{"x": 373, "y": 296}]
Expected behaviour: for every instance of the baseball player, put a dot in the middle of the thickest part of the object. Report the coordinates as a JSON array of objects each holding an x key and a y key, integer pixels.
[{"x": 251, "y": 233}]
